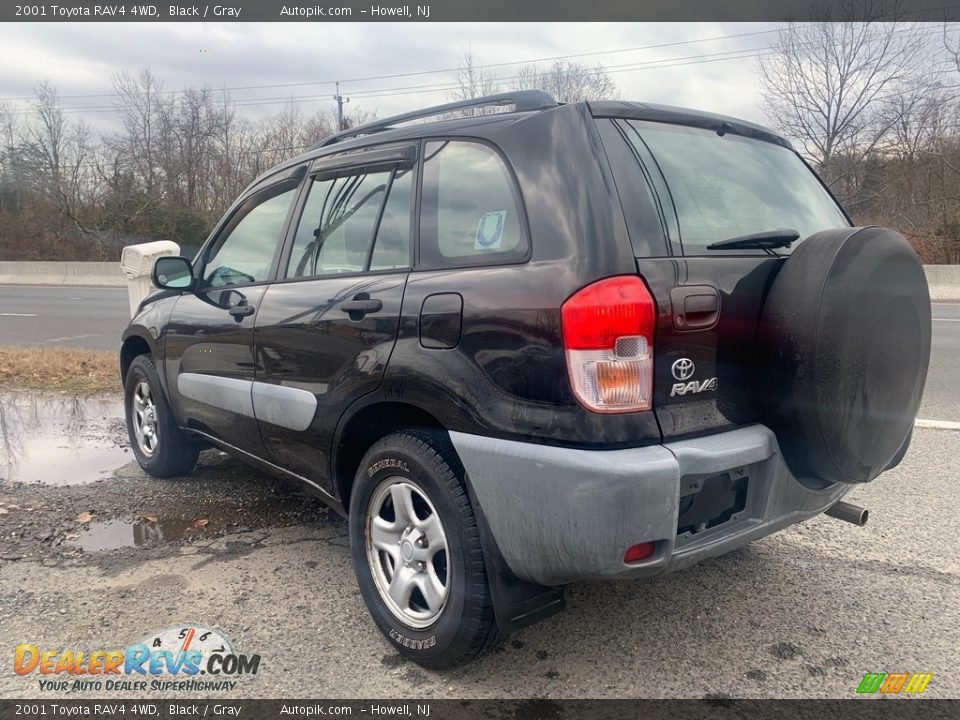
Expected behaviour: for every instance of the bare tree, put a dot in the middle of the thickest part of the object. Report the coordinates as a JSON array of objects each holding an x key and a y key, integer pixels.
[
  {"x": 47, "y": 137},
  {"x": 56, "y": 154},
  {"x": 473, "y": 79},
  {"x": 951, "y": 44},
  {"x": 137, "y": 101},
  {"x": 9, "y": 157},
  {"x": 568, "y": 82},
  {"x": 827, "y": 82},
  {"x": 359, "y": 116}
]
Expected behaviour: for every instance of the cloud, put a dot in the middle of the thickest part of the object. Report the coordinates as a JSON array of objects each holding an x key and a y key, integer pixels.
[{"x": 80, "y": 58}]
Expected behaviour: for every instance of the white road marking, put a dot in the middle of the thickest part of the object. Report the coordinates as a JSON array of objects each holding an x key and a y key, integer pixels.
[
  {"x": 946, "y": 319},
  {"x": 937, "y": 424},
  {"x": 17, "y": 314},
  {"x": 70, "y": 337}
]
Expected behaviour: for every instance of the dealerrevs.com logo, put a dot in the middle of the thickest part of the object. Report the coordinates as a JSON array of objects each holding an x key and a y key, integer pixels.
[{"x": 186, "y": 658}]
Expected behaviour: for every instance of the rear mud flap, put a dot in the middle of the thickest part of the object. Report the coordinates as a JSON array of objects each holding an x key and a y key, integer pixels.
[{"x": 516, "y": 603}]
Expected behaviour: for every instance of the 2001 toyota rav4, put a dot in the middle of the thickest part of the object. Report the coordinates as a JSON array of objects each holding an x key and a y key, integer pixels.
[{"x": 527, "y": 348}]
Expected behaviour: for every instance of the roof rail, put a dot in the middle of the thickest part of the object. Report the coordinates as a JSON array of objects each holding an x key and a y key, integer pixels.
[{"x": 522, "y": 100}]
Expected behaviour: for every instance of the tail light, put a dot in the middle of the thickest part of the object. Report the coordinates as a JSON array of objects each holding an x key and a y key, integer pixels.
[{"x": 608, "y": 340}]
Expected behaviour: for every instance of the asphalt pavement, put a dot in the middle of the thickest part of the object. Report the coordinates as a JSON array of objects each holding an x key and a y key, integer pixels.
[
  {"x": 941, "y": 397},
  {"x": 84, "y": 317},
  {"x": 803, "y": 613}
]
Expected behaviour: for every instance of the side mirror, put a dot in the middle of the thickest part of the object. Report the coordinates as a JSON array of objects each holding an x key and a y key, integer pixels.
[{"x": 173, "y": 273}]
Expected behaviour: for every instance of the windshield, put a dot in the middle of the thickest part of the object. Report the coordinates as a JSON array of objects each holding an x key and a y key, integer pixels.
[{"x": 727, "y": 186}]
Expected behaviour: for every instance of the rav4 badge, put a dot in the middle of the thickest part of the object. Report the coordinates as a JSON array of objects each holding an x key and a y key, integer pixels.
[{"x": 683, "y": 369}]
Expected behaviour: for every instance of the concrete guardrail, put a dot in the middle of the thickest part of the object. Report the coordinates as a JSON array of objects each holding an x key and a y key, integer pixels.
[
  {"x": 61, "y": 273},
  {"x": 944, "y": 280}
]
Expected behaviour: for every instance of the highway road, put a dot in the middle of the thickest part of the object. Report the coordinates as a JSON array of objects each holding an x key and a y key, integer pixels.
[
  {"x": 941, "y": 399},
  {"x": 83, "y": 317},
  {"x": 95, "y": 317}
]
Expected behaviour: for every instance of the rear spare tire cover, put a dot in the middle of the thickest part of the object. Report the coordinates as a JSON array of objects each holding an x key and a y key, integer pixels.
[{"x": 845, "y": 340}]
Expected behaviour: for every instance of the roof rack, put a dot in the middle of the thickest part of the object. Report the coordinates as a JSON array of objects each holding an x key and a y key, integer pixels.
[{"x": 522, "y": 100}]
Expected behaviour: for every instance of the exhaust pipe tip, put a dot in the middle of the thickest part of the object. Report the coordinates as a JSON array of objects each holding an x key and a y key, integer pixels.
[{"x": 848, "y": 512}]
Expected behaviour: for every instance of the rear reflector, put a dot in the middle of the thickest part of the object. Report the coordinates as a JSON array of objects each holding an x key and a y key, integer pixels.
[
  {"x": 608, "y": 339},
  {"x": 636, "y": 553}
]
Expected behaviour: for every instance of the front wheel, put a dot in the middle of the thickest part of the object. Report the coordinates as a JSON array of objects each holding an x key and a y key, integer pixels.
[
  {"x": 417, "y": 554},
  {"x": 160, "y": 447}
]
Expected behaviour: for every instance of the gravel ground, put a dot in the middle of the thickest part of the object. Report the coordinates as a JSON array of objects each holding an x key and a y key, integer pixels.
[{"x": 804, "y": 613}]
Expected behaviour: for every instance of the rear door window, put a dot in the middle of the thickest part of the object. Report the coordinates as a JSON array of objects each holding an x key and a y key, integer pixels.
[
  {"x": 470, "y": 210},
  {"x": 725, "y": 186},
  {"x": 352, "y": 223},
  {"x": 391, "y": 250}
]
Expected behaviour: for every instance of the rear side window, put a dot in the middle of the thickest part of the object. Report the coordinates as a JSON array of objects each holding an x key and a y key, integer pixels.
[
  {"x": 470, "y": 214},
  {"x": 725, "y": 186}
]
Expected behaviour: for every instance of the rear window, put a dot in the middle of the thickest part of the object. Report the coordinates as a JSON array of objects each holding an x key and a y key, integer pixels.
[{"x": 724, "y": 186}]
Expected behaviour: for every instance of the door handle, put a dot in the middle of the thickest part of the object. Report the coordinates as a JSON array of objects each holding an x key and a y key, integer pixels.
[
  {"x": 241, "y": 310},
  {"x": 695, "y": 307},
  {"x": 360, "y": 306}
]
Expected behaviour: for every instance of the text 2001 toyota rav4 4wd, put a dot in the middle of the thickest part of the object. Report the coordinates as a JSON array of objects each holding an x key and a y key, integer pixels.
[{"x": 522, "y": 349}]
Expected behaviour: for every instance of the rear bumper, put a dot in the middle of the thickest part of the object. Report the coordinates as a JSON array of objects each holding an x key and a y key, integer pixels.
[{"x": 560, "y": 515}]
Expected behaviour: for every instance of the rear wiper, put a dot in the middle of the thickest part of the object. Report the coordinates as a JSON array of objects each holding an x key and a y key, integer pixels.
[{"x": 780, "y": 238}]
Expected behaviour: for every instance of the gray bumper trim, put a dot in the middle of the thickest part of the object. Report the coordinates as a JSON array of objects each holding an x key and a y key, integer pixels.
[{"x": 561, "y": 514}]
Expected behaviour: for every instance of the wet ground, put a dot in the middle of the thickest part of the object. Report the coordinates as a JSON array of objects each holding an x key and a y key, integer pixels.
[
  {"x": 71, "y": 485},
  {"x": 102, "y": 555},
  {"x": 60, "y": 439},
  {"x": 79, "y": 445}
]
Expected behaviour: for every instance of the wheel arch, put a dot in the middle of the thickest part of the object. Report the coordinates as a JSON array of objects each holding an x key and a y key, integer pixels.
[
  {"x": 363, "y": 427},
  {"x": 133, "y": 345}
]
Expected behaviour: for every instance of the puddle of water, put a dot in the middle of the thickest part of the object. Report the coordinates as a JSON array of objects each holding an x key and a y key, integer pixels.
[
  {"x": 60, "y": 439},
  {"x": 113, "y": 534},
  {"x": 199, "y": 519}
]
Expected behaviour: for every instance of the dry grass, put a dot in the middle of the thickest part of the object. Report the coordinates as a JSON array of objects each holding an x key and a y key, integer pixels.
[{"x": 55, "y": 368}]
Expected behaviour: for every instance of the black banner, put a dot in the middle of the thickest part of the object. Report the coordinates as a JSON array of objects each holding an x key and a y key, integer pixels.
[
  {"x": 532, "y": 709},
  {"x": 468, "y": 10}
]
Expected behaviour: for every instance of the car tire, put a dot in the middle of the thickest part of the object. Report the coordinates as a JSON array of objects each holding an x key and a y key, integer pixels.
[
  {"x": 421, "y": 570},
  {"x": 161, "y": 449}
]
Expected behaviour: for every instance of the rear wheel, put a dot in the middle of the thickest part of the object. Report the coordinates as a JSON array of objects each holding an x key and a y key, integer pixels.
[
  {"x": 416, "y": 552},
  {"x": 158, "y": 444}
]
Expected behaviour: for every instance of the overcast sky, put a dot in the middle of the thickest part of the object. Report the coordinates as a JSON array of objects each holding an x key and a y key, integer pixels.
[{"x": 80, "y": 58}]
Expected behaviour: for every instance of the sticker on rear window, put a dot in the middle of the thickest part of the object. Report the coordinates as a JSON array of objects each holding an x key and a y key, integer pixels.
[{"x": 490, "y": 231}]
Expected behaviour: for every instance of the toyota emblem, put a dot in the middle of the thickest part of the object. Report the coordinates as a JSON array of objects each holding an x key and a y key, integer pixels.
[{"x": 682, "y": 369}]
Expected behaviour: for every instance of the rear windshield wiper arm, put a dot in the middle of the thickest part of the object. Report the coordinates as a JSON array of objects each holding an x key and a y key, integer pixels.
[{"x": 780, "y": 238}]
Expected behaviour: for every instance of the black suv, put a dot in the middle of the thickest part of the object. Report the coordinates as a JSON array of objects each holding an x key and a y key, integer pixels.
[{"x": 525, "y": 348}]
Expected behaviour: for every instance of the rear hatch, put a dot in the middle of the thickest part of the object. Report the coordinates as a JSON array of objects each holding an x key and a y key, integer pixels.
[{"x": 687, "y": 180}]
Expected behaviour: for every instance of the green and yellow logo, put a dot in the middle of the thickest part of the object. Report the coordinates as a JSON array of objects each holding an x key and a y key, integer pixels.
[{"x": 894, "y": 683}]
